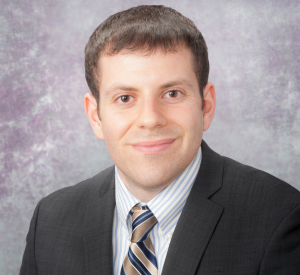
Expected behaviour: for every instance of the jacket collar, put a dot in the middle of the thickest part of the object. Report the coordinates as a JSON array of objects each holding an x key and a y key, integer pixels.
[{"x": 98, "y": 227}]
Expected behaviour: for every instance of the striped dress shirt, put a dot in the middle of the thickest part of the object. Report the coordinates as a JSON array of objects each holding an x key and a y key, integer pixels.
[{"x": 166, "y": 206}]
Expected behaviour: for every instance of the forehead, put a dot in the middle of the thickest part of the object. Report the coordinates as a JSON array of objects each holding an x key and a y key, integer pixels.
[{"x": 142, "y": 68}]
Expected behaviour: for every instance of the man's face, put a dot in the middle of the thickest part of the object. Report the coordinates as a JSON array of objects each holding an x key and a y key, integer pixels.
[{"x": 151, "y": 116}]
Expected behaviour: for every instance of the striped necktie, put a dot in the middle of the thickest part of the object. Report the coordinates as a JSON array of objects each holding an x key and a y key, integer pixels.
[{"x": 141, "y": 259}]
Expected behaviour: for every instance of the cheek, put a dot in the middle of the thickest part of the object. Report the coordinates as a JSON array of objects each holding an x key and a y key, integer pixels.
[
  {"x": 189, "y": 118},
  {"x": 115, "y": 125}
]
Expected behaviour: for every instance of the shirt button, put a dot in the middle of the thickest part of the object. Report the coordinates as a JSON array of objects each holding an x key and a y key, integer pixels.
[{"x": 169, "y": 236}]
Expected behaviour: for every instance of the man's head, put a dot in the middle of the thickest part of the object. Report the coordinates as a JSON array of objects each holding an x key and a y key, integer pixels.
[
  {"x": 150, "y": 111},
  {"x": 145, "y": 29}
]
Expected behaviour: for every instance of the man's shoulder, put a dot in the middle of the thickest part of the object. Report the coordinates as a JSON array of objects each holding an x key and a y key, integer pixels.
[
  {"x": 240, "y": 180},
  {"x": 256, "y": 186},
  {"x": 238, "y": 171},
  {"x": 81, "y": 194}
]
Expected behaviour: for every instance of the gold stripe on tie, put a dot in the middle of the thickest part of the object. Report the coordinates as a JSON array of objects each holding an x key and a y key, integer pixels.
[
  {"x": 140, "y": 230},
  {"x": 129, "y": 268},
  {"x": 149, "y": 245}
]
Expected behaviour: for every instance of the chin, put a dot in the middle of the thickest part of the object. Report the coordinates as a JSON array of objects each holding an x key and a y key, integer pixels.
[{"x": 156, "y": 178}]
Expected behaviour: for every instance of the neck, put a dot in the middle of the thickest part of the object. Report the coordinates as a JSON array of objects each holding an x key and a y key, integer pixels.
[{"x": 140, "y": 192}]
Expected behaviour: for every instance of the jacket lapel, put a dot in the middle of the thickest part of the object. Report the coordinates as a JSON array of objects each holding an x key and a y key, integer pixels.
[
  {"x": 98, "y": 229},
  {"x": 199, "y": 218}
]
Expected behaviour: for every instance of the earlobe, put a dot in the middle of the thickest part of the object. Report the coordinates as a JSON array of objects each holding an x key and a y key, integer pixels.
[
  {"x": 90, "y": 106},
  {"x": 209, "y": 97}
]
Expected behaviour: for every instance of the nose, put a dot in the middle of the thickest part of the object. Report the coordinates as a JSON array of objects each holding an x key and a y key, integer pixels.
[{"x": 151, "y": 114}]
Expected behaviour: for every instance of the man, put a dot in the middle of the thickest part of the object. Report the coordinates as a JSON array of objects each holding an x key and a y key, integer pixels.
[{"x": 170, "y": 205}]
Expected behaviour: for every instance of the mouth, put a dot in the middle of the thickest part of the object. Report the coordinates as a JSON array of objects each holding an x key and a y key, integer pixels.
[{"x": 153, "y": 147}]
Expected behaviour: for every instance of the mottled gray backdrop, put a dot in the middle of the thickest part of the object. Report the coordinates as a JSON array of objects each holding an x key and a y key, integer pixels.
[{"x": 46, "y": 142}]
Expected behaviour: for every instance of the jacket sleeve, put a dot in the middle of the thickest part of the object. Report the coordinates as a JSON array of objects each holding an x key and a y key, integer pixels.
[
  {"x": 29, "y": 266},
  {"x": 283, "y": 253}
]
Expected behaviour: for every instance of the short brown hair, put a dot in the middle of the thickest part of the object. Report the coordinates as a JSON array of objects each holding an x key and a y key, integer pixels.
[{"x": 145, "y": 28}]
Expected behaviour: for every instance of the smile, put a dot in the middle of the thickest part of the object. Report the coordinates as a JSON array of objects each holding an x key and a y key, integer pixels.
[{"x": 153, "y": 147}]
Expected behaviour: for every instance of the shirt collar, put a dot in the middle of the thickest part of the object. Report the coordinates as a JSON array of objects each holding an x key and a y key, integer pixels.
[
  {"x": 168, "y": 204},
  {"x": 124, "y": 199}
]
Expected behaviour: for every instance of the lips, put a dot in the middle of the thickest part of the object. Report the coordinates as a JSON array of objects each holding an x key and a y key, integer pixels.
[{"x": 153, "y": 147}]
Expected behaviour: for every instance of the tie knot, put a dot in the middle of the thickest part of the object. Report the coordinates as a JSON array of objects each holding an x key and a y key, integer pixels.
[
  {"x": 143, "y": 221},
  {"x": 138, "y": 208}
]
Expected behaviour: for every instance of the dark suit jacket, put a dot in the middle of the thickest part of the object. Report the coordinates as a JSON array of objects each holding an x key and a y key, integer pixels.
[{"x": 237, "y": 220}]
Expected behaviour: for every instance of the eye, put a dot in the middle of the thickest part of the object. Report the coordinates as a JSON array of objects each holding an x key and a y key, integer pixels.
[
  {"x": 124, "y": 98},
  {"x": 173, "y": 94}
]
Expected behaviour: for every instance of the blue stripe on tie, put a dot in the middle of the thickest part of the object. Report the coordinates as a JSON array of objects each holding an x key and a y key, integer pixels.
[
  {"x": 142, "y": 218},
  {"x": 122, "y": 271},
  {"x": 148, "y": 253},
  {"x": 137, "y": 263}
]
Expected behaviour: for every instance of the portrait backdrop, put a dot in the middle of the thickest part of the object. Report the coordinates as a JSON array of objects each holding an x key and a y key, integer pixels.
[{"x": 46, "y": 142}]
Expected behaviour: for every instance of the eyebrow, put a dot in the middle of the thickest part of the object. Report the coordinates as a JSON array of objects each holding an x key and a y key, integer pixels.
[
  {"x": 124, "y": 87},
  {"x": 177, "y": 82}
]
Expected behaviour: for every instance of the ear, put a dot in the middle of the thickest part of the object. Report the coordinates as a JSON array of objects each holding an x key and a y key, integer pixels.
[
  {"x": 209, "y": 97},
  {"x": 90, "y": 106}
]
